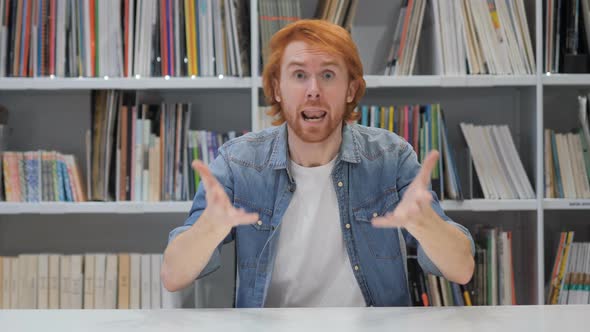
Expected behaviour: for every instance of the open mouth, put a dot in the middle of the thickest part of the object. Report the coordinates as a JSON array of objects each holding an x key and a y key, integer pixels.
[{"x": 313, "y": 116}]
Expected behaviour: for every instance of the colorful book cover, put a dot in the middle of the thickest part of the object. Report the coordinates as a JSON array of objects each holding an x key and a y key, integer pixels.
[
  {"x": 32, "y": 173},
  {"x": 22, "y": 176},
  {"x": 365, "y": 115},
  {"x": 58, "y": 187},
  {"x": 66, "y": 181},
  {"x": 557, "y": 179}
]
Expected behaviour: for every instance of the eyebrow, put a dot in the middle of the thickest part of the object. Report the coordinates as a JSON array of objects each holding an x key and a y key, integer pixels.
[{"x": 324, "y": 64}]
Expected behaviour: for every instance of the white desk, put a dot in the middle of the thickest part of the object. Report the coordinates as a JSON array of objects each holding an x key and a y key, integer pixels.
[{"x": 479, "y": 319}]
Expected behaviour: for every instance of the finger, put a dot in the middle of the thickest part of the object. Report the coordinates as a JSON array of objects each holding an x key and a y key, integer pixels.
[
  {"x": 428, "y": 165},
  {"x": 209, "y": 181},
  {"x": 247, "y": 219},
  {"x": 241, "y": 217},
  {"x": 386, "y": 221}
]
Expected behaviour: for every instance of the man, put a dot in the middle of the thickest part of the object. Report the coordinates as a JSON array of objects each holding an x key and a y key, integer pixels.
[{"x": 321, "y": 210}]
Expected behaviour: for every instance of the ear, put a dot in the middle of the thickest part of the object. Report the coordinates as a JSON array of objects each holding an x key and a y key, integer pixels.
[
  {"x": 276, "y": 90},
  {"x": 351, "y": 92}
]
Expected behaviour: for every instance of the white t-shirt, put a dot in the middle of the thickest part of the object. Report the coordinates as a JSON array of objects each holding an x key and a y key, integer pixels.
[{"x": 312, "y": 268}]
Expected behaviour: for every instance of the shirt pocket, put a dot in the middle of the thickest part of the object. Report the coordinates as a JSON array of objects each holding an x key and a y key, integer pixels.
[
  {"x": 382, "y": 242},
  {"x": 252, "y": 238},
  {"x": 264, "y": 215}
]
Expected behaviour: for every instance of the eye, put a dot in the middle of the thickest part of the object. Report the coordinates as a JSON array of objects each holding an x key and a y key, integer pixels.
[
  {"x": 299, "y": 75},
  {"x": 328, "y": 75}
]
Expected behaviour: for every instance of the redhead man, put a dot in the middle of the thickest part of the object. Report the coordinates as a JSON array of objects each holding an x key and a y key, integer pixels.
[{"x": 321, "y": 210}]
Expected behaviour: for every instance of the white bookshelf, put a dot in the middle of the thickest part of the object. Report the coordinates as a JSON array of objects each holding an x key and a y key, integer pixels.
[
  {"x": 565, "y": 79},
  {"x": 375, "y": 81},
  {"x": 491, "y": 205},
  {"x": 50, "y": 208},
  {"x": 566, "y": 204},
  {"x": 525, "y": 103},
  {"x": 159, "y": 83}
]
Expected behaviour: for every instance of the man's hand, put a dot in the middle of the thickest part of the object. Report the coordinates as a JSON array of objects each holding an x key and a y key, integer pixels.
[
  {"x": 219, "y": 208},
  {"x": 415, "y": 208}
]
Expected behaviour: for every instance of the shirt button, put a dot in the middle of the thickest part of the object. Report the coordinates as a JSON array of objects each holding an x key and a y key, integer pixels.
[
  {"x": 375, "y": 214},
  {"x": 259, "y": 222},
  {"x": 347, "y": 226},
  {"x": 356, "y": 267},
  {"x": 340, "y": 184}
]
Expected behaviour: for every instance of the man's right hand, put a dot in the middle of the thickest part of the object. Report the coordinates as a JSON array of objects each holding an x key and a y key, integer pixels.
[
  {"x": 220, "y": 211},
  {"x": 189, "y": 253}
]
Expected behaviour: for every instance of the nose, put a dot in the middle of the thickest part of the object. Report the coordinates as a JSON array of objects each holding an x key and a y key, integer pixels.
[{"x": 313, "y": 90}]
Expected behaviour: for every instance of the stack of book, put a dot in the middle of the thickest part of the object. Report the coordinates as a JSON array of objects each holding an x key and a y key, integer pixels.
[
  {"x": 89, "y": 281},
  {"x": 497, "y": 162},
  {"x": 41, "y": 176},
  {"x": 567, "y": 162},
  {"x": 470, "y": 37},
  {"x": 142, "y": 152},
  {"x": 339, "y": 12},
  {"x": 402, "y": 54},
  {"x": 567, "y": 35},
  {"x": 492, "y": 282},
  {"x": 124, "y": 38},
  {"x": 427, "y": 290},
  {"x": 570, "y": 276},
  {"x": 273, "y": 15},
  {"x": 423, "y": 126},
  {"x": 567, "y": 159}
]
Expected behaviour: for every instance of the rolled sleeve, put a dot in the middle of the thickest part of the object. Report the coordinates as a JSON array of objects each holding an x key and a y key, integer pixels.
[
  {"x": 425, "y": 262},
  {"x": 215, "y": 260}
]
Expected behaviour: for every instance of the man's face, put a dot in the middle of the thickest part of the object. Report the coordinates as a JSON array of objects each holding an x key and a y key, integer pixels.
[{"x": 313, "y": 91}]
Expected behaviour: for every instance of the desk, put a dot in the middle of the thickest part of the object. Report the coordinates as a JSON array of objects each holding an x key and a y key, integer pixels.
[{"x": 414, "y": 319}]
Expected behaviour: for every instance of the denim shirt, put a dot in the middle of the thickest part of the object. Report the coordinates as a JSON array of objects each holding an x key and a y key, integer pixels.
[{"x": 373, "y": 169}]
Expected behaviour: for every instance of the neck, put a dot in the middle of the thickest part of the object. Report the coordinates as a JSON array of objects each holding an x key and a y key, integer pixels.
[{"x": 314, "y": 154}]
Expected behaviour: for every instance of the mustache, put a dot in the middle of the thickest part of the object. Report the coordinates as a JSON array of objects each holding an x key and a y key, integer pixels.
[{"x": 313, "y": 105}]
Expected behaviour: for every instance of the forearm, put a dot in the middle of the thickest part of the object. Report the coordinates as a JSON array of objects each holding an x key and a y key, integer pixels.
[
  {"x": 188, "y": 254},
  {"x": 446, "y": 246}
]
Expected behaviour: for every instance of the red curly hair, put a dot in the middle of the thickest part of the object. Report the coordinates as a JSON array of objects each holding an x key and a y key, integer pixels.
[{"x": 328, "y": 37}]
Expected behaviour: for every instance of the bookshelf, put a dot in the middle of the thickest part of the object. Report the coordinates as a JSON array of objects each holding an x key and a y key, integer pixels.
[
  {"x": 52, "y": 208},
  {"x": 116, "y": 83},
  {"x": 526, "y": 103}
]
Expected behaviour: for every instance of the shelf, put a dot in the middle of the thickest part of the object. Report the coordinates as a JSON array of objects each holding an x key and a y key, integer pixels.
[
  {"x": 434, "y": 81},
  {"x": 94, "y": 208},
  {"x": 47, "y": 83},
  {"x": 566, "y": 204},
  {"x": 448, "y": 81},
  {"x": 490, "y": 205},
  {"x": 566, "y": 79},
  {"x": 184, "y": 207},
  {"x": 160, "y": 83}
]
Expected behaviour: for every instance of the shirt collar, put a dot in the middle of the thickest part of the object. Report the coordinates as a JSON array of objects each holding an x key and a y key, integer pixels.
[{"x": 349, "y": 150}]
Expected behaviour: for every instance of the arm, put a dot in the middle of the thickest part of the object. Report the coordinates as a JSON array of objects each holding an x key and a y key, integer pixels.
[
  {"x": 446, "y": 246},
  {"x": 188, "y": 253},
  {"x": 449, "y": 248}
]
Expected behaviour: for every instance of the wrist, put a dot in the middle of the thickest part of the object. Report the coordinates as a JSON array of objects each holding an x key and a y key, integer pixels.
[
  {"x": 210, "y": 227},
  {"x": 428, "y": 224}
]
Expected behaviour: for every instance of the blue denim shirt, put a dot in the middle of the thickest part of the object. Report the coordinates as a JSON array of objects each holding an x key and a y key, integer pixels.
[{"x": 373, "y": 169}]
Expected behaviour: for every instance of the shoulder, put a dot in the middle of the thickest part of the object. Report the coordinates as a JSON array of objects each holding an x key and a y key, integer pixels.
[
  {"x": 251, "y": 149},
  {"x": 374, "y": 143}
]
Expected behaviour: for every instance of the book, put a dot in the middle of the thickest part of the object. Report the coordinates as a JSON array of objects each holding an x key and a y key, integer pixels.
[{"x": 123, "y": 38}]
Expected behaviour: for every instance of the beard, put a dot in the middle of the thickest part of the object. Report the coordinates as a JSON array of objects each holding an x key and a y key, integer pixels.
[{"x": 309, "y": 132}]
